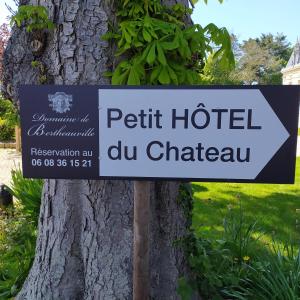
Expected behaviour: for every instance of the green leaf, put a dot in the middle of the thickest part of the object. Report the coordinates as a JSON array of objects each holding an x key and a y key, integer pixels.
[
  {"x": 127, "y": 37},
  {"x": 108, "y": 74},
  {"x": 120, "y": 79},
  {"x": 108, "y": 36},
  {"x": 161, "y": 55},
  {"x": 151, "y": 55},
  {"x": 50, "y": 25},
  {"x": 173, "y": 75},
  {"x": 35, "y": 63},
  {"x": 138, "y": 44},
  {"x": 164, "y": 77},
  {"x": 133, "y": 78},
  {"x": 184, "y": 289},
  {"x": 170, "y": 45},
  {"x": 146, "y": 52},
  {"x": 155, "y": 73},
  {"x": 120, "y": 74},
  {"x": 147, "y": 36}
]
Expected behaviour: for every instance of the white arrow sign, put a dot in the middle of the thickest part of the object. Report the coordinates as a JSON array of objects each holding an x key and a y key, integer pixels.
[{"x": 187, "y": 133}]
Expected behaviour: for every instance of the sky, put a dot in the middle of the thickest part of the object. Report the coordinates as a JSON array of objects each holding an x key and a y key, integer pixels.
[
  {"x": 245, "y": 18},
  {"x": 251, "y": 18},
  {"x": 3, "y": 10}
]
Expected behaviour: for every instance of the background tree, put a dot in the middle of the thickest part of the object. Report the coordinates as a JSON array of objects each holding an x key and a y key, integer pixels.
[
  {"x": 214, "y": 72},
  {"x": 277, "y": 45},
  {"x": 84, "y": 247},
  {"x": 8, "y": 117},
  {"x": 262, "y": 59},
  {"x": 4, "y": 36},
  {"x": 258, "y": 61}
]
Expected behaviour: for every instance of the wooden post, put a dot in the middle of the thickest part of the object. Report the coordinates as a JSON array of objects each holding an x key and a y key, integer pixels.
[
  {"x": 18, "y": 138},
  {"x": 141, "y": 273}
]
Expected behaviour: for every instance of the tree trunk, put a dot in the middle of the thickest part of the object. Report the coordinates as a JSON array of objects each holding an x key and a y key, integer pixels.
[{"x": 84, "y": 246}]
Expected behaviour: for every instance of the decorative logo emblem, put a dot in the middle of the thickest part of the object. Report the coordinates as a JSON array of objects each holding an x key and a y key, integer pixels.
[{"x": 60, "y": 102}]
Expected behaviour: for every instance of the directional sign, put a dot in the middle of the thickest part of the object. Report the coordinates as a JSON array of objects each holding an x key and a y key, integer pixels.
[{"x": 245, "y": 134}]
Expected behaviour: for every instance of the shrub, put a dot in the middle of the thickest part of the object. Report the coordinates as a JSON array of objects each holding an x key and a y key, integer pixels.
[
  {"x": 28, "y": 193},
  {"x": 274, "y": 276},
  {"x": 238, "y": 267},
  {"x": 18, "y": 231},
  {"x": 8, "y": 120},
  {"x": 219, "y": 266},
  {"x": 17, "y": 249},
  {"x": 238, "y": 237},
  {"x": 215, "y": 268},
  {"x": 6, "y": 131}
]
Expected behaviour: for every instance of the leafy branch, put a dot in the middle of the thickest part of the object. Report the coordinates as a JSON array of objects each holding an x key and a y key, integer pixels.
[
  {"x": 160, "y": 48},
  {"x": 35, "y": 18}
]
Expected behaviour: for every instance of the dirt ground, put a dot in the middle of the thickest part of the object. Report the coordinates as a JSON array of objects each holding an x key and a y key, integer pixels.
[{"x": 9, "y": 159}]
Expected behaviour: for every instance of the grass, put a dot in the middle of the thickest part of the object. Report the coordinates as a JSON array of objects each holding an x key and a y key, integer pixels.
[{"x": 276, "y": 208}]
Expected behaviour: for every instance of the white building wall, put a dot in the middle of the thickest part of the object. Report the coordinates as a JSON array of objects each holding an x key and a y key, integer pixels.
[{"x": 291, "y": 76}]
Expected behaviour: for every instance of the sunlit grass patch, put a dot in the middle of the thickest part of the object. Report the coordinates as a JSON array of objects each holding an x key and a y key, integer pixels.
[{"x": 275, "y": 208}]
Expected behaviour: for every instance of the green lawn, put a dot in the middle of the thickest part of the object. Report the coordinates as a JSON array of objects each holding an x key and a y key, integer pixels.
[{"x": 276, "y": 208}]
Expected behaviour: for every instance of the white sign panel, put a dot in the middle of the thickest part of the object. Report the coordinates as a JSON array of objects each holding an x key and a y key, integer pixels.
[{"x": 187, "y": 133}]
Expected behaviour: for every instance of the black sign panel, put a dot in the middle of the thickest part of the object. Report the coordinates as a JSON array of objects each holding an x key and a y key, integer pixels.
[
  {"x": 203, "y": 133},
  {"x": 60, "y": 132}
]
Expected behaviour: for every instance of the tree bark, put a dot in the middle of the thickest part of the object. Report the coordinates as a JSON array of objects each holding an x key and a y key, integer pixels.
[{"x": 84, "y": 246}]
